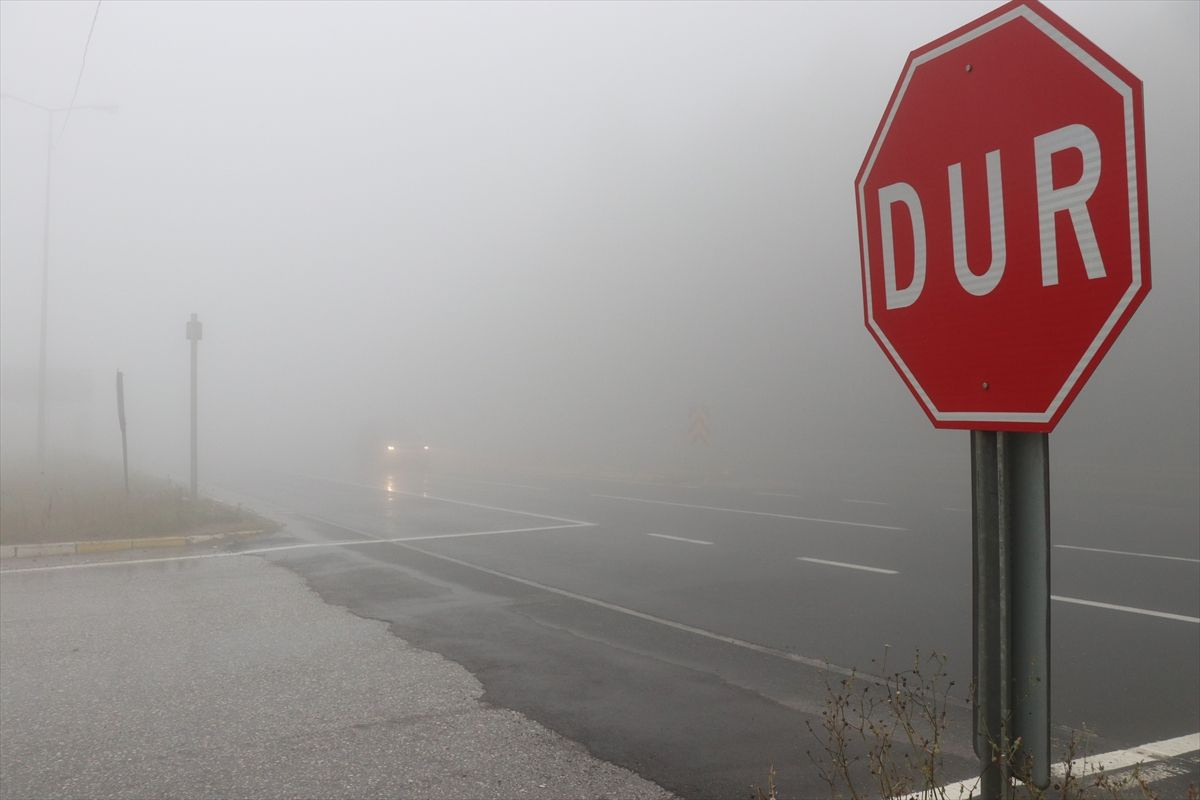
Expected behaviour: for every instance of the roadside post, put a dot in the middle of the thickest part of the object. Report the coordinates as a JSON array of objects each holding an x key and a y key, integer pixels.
[
  {"x": 1004, "y": 244},
  {"x": 121, "y": 420},
  {"x": 194, "y": 332}
]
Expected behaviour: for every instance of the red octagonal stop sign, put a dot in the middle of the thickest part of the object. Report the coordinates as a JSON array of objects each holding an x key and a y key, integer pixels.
[{"x": 1002, "y": 219}]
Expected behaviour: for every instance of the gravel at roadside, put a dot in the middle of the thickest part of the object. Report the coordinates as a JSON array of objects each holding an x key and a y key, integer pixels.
[{"x": 228, "y": 677}]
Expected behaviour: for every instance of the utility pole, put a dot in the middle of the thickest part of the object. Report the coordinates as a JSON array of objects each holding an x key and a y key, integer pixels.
[
  {"x": 49, "y": 112},
  {"x": 41, "y": 415},
  {"x": 194, "y": 333},
  {"x": 121, "y": 421}
]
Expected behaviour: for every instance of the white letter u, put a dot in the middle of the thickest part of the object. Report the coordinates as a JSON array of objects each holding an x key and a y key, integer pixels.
[{"x": 978, "y": 285}]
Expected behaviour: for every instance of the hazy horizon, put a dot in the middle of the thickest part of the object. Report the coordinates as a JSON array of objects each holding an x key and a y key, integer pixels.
[{"x": 539, "y": 231}]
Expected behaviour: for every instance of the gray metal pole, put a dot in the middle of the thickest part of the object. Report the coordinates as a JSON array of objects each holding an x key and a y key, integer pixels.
[
  {"x": 1004, "y": 495},
  {"x": 192, "y": 328},
  {"x": 985, "y": 513},
  {"x": 1010, "y": 480},
  {"x": 1030, "y": 465},
  {"x": 121, "y": 421},
  {"x": 41, "y": 412}
]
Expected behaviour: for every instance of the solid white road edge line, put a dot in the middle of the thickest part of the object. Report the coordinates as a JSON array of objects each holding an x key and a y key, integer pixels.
[
  {"x": 847, "y": 566},
  {"x": 457, "y": 479},
  {"x": 679, "y": 626},
  {"x": 815, "y": 663},
  {"x": 864, "y": 502},
  {"x": 448, "y": 500},
  {"x": 677, "y": 538},
  {"x": 753, "y": 513},
  {"x": 369, "y": 539},
  {"x": 1127, "y": 553},
  {"x": 1105, "y": 762},
  {"x": 1127, "y": 609}
]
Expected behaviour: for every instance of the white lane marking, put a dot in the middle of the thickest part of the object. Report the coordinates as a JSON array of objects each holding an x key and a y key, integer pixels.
[
  {"x": 847, "y": 566},
  {"x": 406, "y": 543},
  {"x": 423, "y": 537},
  {"x": 796, "y": 658},
  {"x": 778, "y": 494},
  {"x": 370, "y": 539},
  {"x": 864, "y": 502},
  {"x": 753, "y": 513},
  {"x": 448, "y": 500},
  {"x": 458, "y": 479},
  {"x": 626, "y": 482},
  {"x": 677, "y": 538},
  {"x": 1088, "y": 765},
  {"x": 1127, "y": 609},
  {"x": 1127, "y": 553}
]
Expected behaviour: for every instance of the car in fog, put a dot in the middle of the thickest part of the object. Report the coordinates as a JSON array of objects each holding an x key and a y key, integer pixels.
[{"x": 404, "y": 456}]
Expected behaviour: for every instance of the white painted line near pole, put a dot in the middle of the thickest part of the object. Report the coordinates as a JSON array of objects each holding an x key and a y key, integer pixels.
[
  {"x": 1088, "y": 765},
  {"x": 752, "y": 513},
  {"x": 1127, "y": 553},
  {"x": 847, "y": 566},
  {"x": 1127, "y": 609},
  {"x": 368, "y": 539},
  {"x": 864, "y": 502},
  {"x": 677, "y": 538},
  {"x": 1152, "y": 751}
]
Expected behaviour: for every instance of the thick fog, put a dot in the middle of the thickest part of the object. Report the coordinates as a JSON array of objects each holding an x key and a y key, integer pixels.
[{"x": 533, "y": 233}]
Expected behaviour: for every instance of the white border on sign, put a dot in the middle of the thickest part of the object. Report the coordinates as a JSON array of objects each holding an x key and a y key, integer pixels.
[{"x": 1126, "y": 93}]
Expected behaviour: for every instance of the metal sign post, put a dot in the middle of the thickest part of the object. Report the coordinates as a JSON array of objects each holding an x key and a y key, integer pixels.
[
  {"x": 121, "y": 420},
  {"x": 1010, "y": 481},
  {"x": 195, "y": 331}
]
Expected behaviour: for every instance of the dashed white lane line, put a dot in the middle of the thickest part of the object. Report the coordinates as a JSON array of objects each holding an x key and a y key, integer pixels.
[
  {"x": 1088, "y": 765},
  {"x": 370, "y": 539},
  {"x": 1127, "y": 609},
  {"x": 779, "y": 494},
  {"x": 752, "y": 513},
  {"x": 864, "y": 502},
  {"x": 848, "y": 566},
  {"x": 677, "y": 538},
  {"x": 1127, "y": 553}
]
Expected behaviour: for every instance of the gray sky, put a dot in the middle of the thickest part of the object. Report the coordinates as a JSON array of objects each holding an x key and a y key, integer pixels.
[{"x": 544, "y": 229}]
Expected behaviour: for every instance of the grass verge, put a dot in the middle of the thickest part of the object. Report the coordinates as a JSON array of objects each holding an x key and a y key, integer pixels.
[{"x": 85, "y": 501}]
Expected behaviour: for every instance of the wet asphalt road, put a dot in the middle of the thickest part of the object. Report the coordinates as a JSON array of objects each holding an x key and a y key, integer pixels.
[{"x": 680, "y": 631}]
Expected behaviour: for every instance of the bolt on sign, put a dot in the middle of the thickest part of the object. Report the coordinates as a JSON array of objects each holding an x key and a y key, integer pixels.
[{"x": 1003, "y": 227}]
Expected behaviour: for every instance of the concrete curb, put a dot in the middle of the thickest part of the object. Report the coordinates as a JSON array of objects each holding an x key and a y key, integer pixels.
[{"x": 111, "y": 545}]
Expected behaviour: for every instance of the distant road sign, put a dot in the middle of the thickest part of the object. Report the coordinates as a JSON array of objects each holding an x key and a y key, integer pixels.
[
  {"x": 1003, "y": 226},
  {"x": 698, "y": 425}
]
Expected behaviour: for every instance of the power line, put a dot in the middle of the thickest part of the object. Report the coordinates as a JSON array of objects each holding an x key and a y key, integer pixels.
[{"x": 82, "y": 64}]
